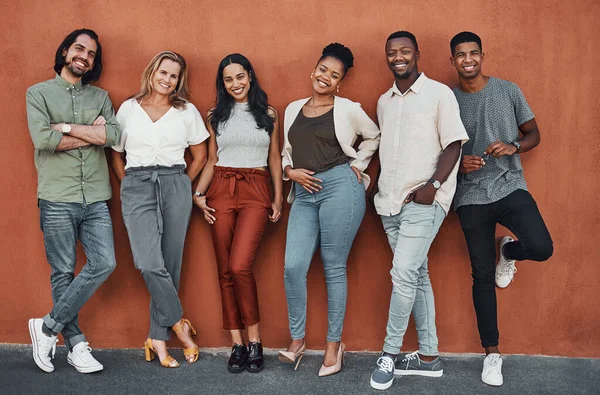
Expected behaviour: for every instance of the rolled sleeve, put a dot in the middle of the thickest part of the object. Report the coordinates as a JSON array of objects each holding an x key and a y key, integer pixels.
[
  {"x": 450, "y": 126},
  {"x": 43, "y": 136},
  {"x": 113, "y": 130}
]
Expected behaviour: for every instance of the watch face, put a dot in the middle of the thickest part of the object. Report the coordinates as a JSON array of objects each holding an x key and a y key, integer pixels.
[{"x": 437, "y": 185}]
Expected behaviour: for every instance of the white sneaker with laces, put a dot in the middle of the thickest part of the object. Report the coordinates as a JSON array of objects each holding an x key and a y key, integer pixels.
[
  {"x": 505, "y": 269},
  {"x": 81, "y": 358},
  {"x": 43, "y": 345},
  {"x": 492, "y": 370}
]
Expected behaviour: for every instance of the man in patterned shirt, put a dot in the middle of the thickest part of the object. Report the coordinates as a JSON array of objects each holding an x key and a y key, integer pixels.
[{"x": 491, "y": 187}]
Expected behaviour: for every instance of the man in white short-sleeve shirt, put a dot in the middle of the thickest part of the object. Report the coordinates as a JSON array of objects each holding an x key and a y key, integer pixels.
[{"x": 421, "y": 138}]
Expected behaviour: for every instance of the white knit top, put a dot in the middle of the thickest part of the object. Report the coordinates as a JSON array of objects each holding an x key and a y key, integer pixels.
[{"x": 240, "y": 143}]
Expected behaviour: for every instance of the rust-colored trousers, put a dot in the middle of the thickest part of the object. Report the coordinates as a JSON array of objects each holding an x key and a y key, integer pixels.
[{"x": 242, "y": 202}]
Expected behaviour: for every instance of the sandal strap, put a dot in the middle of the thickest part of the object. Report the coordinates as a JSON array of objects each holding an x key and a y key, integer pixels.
[
  {"x": 190, "y": 351},
  {"x": 167, "y": 362},
  {"x": 178, "y": 327}
]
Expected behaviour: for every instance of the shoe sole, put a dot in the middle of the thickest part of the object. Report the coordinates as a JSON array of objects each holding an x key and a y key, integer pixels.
[
  {"x": 254, "y": 370},
  {"x": 284, "y": 359},
  {"x": 36, "y": 358},
  {"x": 426, "y": 373},
  {"x": 381, "y": 386},
  {"x": 236, "y": 370},
  {"x": 80, "y": 369},
  {"x": 493, "y": 384}
]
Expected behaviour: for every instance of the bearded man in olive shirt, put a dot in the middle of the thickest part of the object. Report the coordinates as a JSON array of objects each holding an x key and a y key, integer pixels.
[{"x": 70, "y": 123}]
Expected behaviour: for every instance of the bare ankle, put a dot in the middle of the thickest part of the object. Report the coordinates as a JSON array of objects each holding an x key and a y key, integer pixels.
[{"x": 492, "y": 350}]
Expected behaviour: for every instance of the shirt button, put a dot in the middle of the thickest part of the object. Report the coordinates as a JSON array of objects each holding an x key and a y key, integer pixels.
[
  {"x": 75, "y": 113},
  {"x": 83, "y": 163},
  {"x": 82, "y": 182}
]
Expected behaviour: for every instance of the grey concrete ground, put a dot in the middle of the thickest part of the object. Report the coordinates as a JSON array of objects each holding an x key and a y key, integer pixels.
[{"x": 126, "y": 372}]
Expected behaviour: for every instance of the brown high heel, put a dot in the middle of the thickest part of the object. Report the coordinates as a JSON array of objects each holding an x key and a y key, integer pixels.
[
  {"x": 168, "y": 362},
  {"x": 193, "y": 351}
]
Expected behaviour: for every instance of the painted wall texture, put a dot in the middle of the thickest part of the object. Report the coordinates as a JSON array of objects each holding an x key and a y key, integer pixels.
[{"x": 549, "y": 48}]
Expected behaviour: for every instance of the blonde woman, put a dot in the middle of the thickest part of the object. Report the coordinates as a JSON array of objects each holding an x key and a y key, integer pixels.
[{"x": 158, "y": 124}]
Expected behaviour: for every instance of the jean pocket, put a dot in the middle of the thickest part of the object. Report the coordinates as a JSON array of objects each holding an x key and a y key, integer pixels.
[{"x": 423, "y": 205}]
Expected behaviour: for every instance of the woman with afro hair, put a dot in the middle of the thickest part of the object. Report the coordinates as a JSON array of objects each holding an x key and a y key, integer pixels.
[{"x": 327, "y": 196}]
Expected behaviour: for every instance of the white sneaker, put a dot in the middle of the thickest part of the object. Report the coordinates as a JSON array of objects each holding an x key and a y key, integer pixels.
[
  {"x": 492, "y": 370},
  {"x": 505, "y": 269},
  {"x": 81, "y": 358},
  {"x": 43, "y": 345}
]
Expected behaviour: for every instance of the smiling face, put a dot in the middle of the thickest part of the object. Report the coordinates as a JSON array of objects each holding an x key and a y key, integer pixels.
[
  {"x": 467, "y": 60},
  {"x": 79, "y": 58},
  {"x": 327, "y": 76},
  {"x": 237, "y": 82},
  {"x": 165, "y": 78},
  {"x": 402, "y": 57}
]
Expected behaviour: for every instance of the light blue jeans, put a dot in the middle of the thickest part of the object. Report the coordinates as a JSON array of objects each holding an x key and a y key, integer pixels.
[
  {"x": 329, "y": 218},
  {"x": 410, "y": 234},
  {"x": 62, "y": 224}
]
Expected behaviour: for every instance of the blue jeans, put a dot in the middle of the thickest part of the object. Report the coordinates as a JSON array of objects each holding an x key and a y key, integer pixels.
[
  {"x": 410, "y": 234},
  {"x": 329, "y": 218},
  {"x": 62, "y": 224}
]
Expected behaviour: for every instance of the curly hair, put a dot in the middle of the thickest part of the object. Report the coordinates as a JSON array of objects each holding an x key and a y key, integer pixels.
[{"x": 339, "y": 52}]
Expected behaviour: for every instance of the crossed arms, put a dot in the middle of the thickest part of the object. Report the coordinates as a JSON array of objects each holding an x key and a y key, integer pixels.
[{"x": 47, "y": 136}]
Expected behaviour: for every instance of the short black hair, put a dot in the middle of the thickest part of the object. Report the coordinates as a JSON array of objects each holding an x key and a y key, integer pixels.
[
  {"x": 339, "y": 52},
  {"x": 464, "y": 37},
  {"x": 404, "y": 33},
  {"x": 59, "y": 58}
]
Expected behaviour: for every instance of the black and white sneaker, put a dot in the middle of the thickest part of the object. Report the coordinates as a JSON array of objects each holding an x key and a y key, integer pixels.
[{"x": 382, "y": 377}]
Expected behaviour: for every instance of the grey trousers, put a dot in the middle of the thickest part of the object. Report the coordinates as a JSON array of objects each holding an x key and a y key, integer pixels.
[{"x": 157, "y": 205}]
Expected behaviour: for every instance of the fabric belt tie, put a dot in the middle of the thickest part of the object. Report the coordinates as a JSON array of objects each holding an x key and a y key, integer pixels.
[
  {"x": 233, "y": 177},
  {"x": 153, "y": 175}
]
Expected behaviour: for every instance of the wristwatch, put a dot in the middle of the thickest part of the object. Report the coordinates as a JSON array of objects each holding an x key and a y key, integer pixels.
[
  {"x": 517, "y": 144},
  {"x": 436, "y": 183},
  {"x": 198, "y": 194},
  {"x": 66, "y": 128}
]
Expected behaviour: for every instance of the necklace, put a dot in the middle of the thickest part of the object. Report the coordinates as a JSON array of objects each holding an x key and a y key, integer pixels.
[{"x": 315, "y": 106}]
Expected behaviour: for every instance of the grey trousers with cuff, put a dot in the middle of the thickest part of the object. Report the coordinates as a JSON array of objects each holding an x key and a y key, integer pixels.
[{"x": 157, "y": 205}]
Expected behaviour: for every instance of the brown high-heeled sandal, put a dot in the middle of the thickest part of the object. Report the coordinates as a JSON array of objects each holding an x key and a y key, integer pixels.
[
  {"x": 168, "y": 362},
  {"x": 187, "y": 352}
]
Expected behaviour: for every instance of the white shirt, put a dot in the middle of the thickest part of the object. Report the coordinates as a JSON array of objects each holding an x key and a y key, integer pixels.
[
  {"x": 162, "y": 142},
  {"x": 350, "y": 121},
  {"x": 416, "y": 127}
]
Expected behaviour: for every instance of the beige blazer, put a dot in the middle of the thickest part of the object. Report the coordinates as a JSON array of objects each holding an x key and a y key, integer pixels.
[{"x": 350, "y": 121}]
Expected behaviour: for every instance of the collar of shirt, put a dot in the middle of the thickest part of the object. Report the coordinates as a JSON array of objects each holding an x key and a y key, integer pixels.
[
  {"x": 66, "y": 84},
  {"x": 415, "y": 87}
]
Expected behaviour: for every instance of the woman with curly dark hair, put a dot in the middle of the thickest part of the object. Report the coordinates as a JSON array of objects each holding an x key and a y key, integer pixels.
[
  {"x": 327, "y": 196},
  {"x": 243, "y": 160}
]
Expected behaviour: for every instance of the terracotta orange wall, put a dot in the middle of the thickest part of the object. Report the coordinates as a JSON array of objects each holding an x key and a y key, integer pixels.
[{"x": 549, "y": 48}]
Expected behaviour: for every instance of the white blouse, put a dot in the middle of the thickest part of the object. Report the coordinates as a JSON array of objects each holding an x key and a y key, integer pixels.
[{"x": 162, "y": 142}]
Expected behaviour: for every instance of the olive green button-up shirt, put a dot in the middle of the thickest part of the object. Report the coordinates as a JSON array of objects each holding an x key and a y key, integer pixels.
[{"x": 80, "y": 174}]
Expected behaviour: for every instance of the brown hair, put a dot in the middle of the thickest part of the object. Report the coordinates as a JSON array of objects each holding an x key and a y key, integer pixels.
[{"x": 181, "y": 94}]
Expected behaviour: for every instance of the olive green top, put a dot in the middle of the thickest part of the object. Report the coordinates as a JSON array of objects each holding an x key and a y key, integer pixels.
[{"x": 80, "y": 174}]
